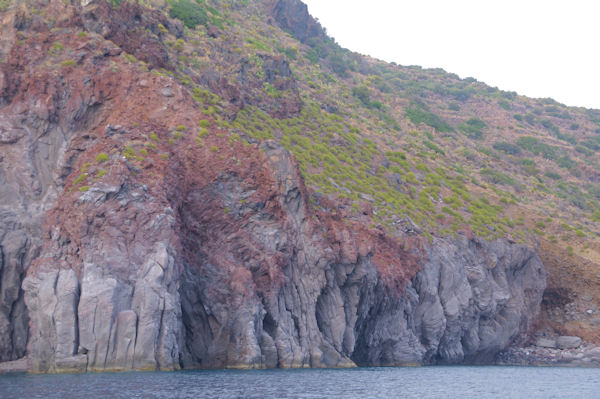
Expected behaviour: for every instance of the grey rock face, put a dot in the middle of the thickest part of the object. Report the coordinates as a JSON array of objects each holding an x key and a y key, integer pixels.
[
  {"x": 489, "y": 293},
  {"x": 30, "y": 177},
  {"x": 35, "y": 130},
  {"x": 470, "y": 300},
  {"x": 272, "y": 293},
  {"x": 106, "y": 319}
]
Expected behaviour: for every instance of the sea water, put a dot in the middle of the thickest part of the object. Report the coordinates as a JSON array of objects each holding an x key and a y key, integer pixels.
[{"x": 394, "y": 382}]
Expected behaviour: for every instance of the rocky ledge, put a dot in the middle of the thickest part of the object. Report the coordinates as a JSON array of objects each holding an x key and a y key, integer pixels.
[
  {"x": 15, "y": 366},
  {"x": 562, "y": 351}
]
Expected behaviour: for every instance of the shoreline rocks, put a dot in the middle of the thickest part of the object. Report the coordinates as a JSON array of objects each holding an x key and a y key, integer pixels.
[
  {"x": 562, "y": 351},
  {"x": 15, "y": 366},
  {"x": 568, "y": 342}
]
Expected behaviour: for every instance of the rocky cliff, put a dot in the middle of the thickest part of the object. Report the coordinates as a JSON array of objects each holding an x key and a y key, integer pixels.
[
  {"x": 261, "y": 285},
  {"x": 129, "y": 239}
]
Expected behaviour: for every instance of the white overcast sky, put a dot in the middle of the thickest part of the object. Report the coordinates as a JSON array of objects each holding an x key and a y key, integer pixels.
[{"x": 536, "y": 48}]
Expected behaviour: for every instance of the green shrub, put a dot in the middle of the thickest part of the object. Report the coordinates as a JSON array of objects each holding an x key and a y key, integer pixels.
[
  {"x": 189, "y": 12},
  {"x": 130, "y": 58},
  {"x": 529, "y": 118},
  {"x": 179, "y": 45},
  {"x": 454, "y": 106},
  {"x": 202, "y": 132},
  {"x": 129, "y": 153},
  {"x": 496, "y": 177},
  {"x": 584, "y": 150},
  {"x": 537, "y": 147},
  {"x": 540, "y": 225},
  {"x": 102, "y": 157},
  {"x": 433, "y": 146},
  {"x": 550, "y": 126},
  {"x": 338, "y": 64},
  {"x": 566, "y": 162},
  {"x": 56, "y": 48},
  {"x": 473, "y": 128},
  {"x": 420, "y": 114},
  {"x": 507, "y": 148},
  {"x": 80, "y": 179},
  {"x": 362, "y": 93},
  {"x": 505, "y": 105}
]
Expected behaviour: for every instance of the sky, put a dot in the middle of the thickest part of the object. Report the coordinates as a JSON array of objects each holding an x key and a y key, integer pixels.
[{"x": 537, "y": 48}]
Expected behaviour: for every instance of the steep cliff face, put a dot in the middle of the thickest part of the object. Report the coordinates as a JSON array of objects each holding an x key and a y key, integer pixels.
[
  {"x": 253, "y": 282},
  {"x": 36, "y": 122},
  {"x": 148, "y": 245}
]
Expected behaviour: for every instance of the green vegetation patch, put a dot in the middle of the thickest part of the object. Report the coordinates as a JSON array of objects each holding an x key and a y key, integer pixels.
[
  {"x": 507, "y": 148},
  {"x": 420, "y": 114},
  {"x": 496, "y": 177},
  {"x": 102, "y": 157},
  {"x": 473, "y": 128},
  {"x": 537, "y": 147},
  {"x": 189, "y": 12}
]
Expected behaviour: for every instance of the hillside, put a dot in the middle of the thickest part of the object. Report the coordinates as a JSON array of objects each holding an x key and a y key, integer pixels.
[{"x": 173, "y": 161}]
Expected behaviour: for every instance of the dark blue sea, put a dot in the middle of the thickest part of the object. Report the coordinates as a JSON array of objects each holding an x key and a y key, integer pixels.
[{"x": 400, "y": 382}]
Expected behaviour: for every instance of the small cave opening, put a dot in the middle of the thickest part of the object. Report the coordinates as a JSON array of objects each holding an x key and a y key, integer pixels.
[{"x": 269, "y": 325}]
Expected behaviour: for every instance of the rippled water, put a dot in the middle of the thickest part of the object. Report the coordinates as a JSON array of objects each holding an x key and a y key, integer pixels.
[{"x": 420, "y": 382}]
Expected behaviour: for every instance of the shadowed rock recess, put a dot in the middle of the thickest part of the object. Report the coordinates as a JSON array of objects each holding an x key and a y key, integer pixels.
[{"x": 205, "y": 253}]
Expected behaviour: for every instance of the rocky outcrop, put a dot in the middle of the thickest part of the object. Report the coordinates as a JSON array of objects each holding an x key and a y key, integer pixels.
[
  {"x": 258, "y": 285},
  {"x": 293, "y": 16},
  {"x": 476, "y": 298},
  {"x": 544, "y": 354},
  {"x": 134, "y": 28},
  {"x": 470, "y": 300}
]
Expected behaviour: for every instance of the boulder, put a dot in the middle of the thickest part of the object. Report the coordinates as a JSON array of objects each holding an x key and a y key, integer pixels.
[
  {"x": 568, "y": 342},
  {"x": 545, "y": 343}
]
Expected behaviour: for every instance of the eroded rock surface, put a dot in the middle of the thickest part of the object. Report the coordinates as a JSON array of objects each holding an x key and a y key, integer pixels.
[{"x": 259, "y": 286}]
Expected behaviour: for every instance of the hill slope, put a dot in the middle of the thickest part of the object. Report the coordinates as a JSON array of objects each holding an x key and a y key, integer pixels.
[{"x": 232, "y": 188}]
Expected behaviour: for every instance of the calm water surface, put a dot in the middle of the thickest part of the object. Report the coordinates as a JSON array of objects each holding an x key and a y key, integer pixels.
[{"x": 421, "y": 382}]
